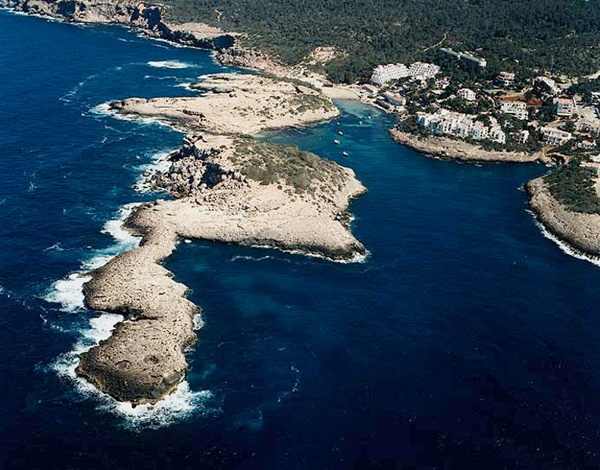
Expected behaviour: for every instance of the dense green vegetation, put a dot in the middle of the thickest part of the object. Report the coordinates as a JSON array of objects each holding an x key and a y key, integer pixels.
[
  {"x": 270, "y": 163},
  {"x": 514, "y": 34},
  {"x": 573, "y": 186}
]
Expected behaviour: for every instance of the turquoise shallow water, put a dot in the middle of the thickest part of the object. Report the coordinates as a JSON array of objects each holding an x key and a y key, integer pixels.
[{"x": 466, "y": 340}]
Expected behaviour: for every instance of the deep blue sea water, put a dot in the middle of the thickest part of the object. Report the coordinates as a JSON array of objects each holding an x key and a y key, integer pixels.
[{"x": 467, "y": 340}]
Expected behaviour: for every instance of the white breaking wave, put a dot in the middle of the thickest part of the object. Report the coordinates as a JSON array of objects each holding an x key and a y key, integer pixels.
[
  {"x": 160, "y": 162},
  {"x": 180, "y": 404},
  {"x": 563, "y": 246},
  {"x": 186, "y": 85},
  {"x": 104, "y": 110},
  {"x": 169, "y": 64},
  {"x": 68, "y": 292}
]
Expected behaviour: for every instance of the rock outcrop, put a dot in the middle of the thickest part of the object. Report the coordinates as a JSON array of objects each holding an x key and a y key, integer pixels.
[
  {"x": 236, "y": 104},
  {"x": 451, "y": 149},
  {"x": 581, "y": 231},
  {"x": 146, "y": 17}
]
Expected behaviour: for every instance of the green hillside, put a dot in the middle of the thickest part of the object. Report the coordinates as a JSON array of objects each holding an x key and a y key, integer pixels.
[{"x": 551, "y": 34}]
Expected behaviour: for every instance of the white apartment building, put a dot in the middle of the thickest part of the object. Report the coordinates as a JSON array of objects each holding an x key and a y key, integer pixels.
[
  {"x": 497, "y": 135},
  {"x": 423, "y": 71},
  {"x": 460, "y": 125},
  {"x": 564, "y": 107},
  {"x": 591, "y": 127},
  {"x": 506, "y": 78},
  {"x": 466, "y": 94},
  {"x": 554, "y": 136},
  {"x": 517, "y": 109},
  {"x": 465, "y": 56},
  {"x": 387, "y": 73}
]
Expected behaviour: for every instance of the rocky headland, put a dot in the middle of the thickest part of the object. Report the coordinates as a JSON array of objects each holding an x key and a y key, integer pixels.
[
  {"x": 225, "y": 186},
  {"x": 578, "y": 229},
  {"x": 452, "y": 149},
  {"x": 141, "y": 16},
  {"x": 232, "y": 104}
]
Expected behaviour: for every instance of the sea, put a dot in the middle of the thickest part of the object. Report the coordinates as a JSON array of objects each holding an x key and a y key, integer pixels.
[{"x": 467, "y": 339}]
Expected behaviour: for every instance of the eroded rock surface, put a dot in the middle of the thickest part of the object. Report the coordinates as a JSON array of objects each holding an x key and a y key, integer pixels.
[
  {"x": 582, "y": 231},
  {"x": 144, "y": 16}
]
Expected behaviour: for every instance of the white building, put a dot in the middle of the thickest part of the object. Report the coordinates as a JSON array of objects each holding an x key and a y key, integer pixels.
[
  {"x": 564, "y": 107},
  {"x": 522, "y": 137},
  {"x": 465, "y": 56},
  {"x": 554, "y": 89},
  {"x": 497, "y": 135},
  {"x": 517, "y": 109},
  {"x": 460, "y": 125},
  {"x": 591, "y": 127},
  {"x": 466, "y": 94},
  {"x": 423, "y": 71},
  {"x": 554, "y": 136},
  {"x": 387, "y": 73},
  {"x": 394, "y": 98},
  {"x": 506, "y": 78},
  {"x": 586, "y": 145}
]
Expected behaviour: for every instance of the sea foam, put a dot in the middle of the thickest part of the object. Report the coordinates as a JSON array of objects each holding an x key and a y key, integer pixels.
[
  {"x": 563, "y": 246},
  {"x": 68, "y": 292},
  {"x": 180, "y": 404},
  {"x": 169, "y": 64},
  {"x": 159, "y": 162}
]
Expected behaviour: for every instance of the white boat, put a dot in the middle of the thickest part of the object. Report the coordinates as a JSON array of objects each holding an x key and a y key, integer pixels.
[
  {"x": 336, "y": 142},
  {"x": 340, "y": 133},
  {"x": 345, "y": 154}
]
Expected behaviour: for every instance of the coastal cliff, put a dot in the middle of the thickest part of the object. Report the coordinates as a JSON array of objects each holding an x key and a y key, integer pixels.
[
  {"x": 580, "y": 230},
  {"x": 451, "y": 149},
  {"x": 145, "y": 17},
  {"x": 226, "y": 186}
]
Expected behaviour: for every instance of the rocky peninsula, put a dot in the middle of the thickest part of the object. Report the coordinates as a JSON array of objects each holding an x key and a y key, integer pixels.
[
  {"x": 225, "y": 186},
  {"x": 232, "y": 104},
  {"x": 446, "y": 148},
  {"x": 578, "y": 229}
]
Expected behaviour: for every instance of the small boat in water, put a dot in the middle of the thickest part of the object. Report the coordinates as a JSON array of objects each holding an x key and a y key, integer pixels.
[
  {"x": 336, "y": 142},
  {"x": 340, "y": 133},
  {"x": 345, "y": 154}
]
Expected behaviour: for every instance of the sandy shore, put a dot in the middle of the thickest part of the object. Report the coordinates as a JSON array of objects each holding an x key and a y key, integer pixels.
[
  {"x": 451, "y": 149},
  {"x": 581, "y": 231}
]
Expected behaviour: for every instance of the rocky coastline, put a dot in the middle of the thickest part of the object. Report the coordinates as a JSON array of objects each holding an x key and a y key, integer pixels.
[
  {"x": 225, "y": 186},
  {"x": 449, "y": 149},
  {"x": 145, "y": 17},
  {"x": 236, "y": 104},
  {"x": 579, "y": 230}
]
